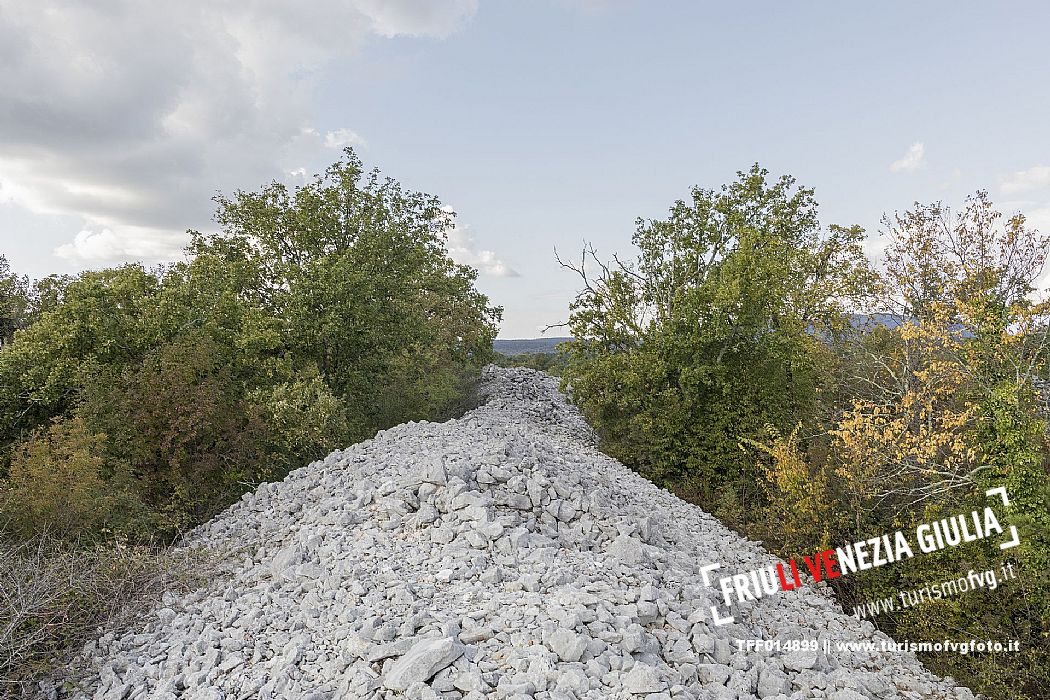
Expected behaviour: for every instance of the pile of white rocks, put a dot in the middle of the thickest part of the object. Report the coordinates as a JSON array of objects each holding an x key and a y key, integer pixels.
[{"x": 499, "y": 555}]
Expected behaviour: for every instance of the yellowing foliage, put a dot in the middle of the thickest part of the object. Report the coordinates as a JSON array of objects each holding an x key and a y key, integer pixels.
[
  {"x": 57, "y": 482},
  {"x": 801, "y": 506}
]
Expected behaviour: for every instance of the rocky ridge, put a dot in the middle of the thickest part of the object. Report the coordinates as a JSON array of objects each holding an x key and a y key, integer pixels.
[{"x": 497, "y": 555}]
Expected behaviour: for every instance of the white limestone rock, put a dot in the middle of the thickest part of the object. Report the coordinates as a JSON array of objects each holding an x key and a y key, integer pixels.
[{"x": 498, "y": 555}]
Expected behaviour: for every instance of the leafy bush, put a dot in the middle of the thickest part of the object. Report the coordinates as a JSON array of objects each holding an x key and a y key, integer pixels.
[
  {"x": 181, "y": 422},
  {"x": 61, "y": 483}
]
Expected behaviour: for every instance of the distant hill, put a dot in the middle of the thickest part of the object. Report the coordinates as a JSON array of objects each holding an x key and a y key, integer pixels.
[
  {"x": 869, "y": 321},
  {"x": 525, "y": 346}
]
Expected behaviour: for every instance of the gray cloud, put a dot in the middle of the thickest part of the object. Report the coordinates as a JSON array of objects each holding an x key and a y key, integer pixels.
[{"x": 132, "y": 115}]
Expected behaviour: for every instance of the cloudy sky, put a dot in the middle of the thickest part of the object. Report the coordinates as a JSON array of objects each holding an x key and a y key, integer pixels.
[{"x": 542, "y": 123}]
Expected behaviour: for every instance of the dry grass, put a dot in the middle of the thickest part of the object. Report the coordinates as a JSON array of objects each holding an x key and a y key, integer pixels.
[{"x": 54, "y": 596}]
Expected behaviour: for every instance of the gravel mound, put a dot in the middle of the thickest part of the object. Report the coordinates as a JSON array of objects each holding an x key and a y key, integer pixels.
[{"x": 496, "y": 555}]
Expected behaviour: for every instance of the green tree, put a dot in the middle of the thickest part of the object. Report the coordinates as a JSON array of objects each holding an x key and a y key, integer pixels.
[
  {"x": 936, "y": 408},
  {"x": 355, "y": 266},
  {"x": 316, "y": 317},
  {"x": 14, "y": 301},
  {"x": 714, "y": 332},
  {"x": 105, "y": 321}
]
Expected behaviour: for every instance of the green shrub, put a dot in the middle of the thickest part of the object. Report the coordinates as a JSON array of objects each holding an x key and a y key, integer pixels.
[
  {"x": 182, "y": 424},
  {"x": 62, "y": 483}
]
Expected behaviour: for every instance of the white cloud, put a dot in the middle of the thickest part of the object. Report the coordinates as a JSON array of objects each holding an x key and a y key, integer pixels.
[
  {"x": 1038, "y": 217},
  {"x": 914, "y": 159},
  {"x": 107, "y": 247},
  {"x": 1034, "y": 178},
  {"x": 342, "y": 137},
  {"x": 463, "y": 249},
  {"x": 132, "y": 115}
]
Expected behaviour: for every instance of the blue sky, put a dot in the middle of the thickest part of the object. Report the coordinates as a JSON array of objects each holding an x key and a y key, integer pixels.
[{"x": 541, "y": 123}]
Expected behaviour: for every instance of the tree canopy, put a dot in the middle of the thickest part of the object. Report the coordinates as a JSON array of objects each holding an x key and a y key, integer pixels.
[
  {"x": 711, "y": 333},
  {"x": 314, "y": 317}
]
